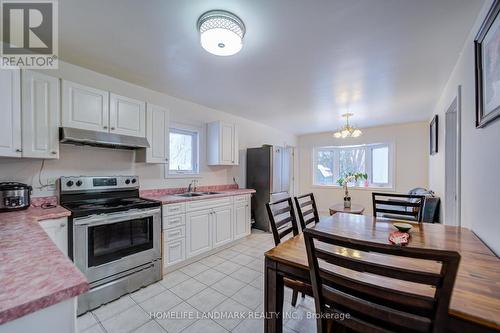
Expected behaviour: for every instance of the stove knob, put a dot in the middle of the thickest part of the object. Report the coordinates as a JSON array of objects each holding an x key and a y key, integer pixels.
[
  {"x": 127, "y": 181},
  {"x": 134, "y": 181},
  {"x": 69, "y": 183},
  {"x": 79, "y": 183}
]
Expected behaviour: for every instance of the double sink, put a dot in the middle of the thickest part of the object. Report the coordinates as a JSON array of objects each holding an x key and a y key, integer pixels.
[{"x": 196, "y": 194}]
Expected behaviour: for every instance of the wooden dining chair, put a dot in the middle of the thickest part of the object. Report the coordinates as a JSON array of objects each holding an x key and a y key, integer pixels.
[
  {"x": 398, "y": 206},
  {"x": 284, "y": 224},
  {"x": 306, "y": 209},
  {"x": 346, "y": 284}
]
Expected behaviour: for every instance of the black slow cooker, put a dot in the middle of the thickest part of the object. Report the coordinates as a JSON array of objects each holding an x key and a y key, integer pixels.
[{"x": 14, "y": 196}]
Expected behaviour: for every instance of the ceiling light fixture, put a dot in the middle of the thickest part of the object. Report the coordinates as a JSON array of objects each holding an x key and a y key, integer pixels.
[
  {"x": 347, "y": 131},
  {"x": 221, "y": 32}
]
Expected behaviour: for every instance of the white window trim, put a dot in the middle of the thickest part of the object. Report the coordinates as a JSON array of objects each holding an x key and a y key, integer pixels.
[
  {"x": 186, "y": 174},
  {"x": 370, "y": 187}
]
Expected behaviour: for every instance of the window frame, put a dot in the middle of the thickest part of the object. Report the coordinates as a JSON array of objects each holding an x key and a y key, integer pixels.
[
  {"x": 195, "y": 133},
  {"x": 368, "y": 165}
]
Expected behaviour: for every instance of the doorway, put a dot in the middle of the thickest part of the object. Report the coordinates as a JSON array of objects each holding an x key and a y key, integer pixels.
[{"x": 452, "y": 162}]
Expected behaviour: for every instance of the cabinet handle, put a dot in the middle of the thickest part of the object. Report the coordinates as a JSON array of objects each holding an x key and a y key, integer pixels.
[
  {"x": 53, "y": 152},
  {"x": 112, "y": 128},
  {"x": 105, "y": 127},
  {"x": 19, "y": 150},
  {"x": 62, "y": 225},
  {"x": 166, "y": 159}
]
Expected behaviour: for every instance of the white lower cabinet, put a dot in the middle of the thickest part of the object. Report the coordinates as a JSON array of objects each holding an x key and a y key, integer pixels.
[
  {"x": 198, "y": 232},
  {"x": 196, "y": 227},
  {"x": 174, "y": 251},
  {"x": 57, "y": 229},
  {"x": 241, "y": 218},
  {"x": 222, "y": 228}
]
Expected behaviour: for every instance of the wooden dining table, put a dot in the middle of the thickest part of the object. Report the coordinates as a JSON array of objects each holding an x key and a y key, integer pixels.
[{"x": 475, "y": 302}]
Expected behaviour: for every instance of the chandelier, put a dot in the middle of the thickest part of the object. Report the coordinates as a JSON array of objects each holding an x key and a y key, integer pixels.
[
  {"x": 347, "y": 131},
  {"x": 221, "y": 32}
]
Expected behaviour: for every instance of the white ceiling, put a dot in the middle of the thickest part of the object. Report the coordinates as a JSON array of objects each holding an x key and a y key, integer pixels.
[{"x": 303, "y": 63}]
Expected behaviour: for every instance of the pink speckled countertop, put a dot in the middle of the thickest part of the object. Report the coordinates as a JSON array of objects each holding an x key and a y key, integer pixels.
[
  {"x": 170, "y": 198},
  {"x": 34, "y": 274}
]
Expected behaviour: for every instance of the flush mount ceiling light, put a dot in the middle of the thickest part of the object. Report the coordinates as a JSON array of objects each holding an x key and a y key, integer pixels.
[
  {"x": 221, "y": 32},
  {"x": 347, "y": 131}
]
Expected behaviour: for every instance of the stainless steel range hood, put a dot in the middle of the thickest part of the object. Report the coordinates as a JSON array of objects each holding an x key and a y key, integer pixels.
[{"x": 80, "y": 137}]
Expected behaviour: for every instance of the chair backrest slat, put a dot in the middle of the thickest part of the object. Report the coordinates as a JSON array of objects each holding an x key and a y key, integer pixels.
[
  {"x": 347, "y": 283},
  {"x": 306, "y": 200},
  {"x": 396, "y": 204},
  {"x": 282, "y": 219}
]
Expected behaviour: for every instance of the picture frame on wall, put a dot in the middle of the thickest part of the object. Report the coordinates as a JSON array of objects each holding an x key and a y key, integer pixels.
[
  {"x": 433, "y": 135},
  {"x": 487, "y": 58}
]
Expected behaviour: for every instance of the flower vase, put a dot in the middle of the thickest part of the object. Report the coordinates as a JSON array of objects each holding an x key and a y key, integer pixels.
[{"x": 347, "y": 198}]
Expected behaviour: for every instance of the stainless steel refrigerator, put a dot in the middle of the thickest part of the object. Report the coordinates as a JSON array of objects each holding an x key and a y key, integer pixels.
[{"x": 269, "y": 173}]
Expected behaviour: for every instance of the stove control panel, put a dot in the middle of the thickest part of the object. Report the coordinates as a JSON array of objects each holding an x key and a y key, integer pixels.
[{"x": 86, "y": 183}]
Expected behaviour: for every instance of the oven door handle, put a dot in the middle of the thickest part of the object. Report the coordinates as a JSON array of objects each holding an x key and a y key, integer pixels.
[{"x": 115, "y": 217}]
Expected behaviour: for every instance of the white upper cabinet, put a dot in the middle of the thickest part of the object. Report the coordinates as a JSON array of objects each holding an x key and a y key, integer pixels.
[
  {"x": 10, "y": 113},
  {"x": 84, "y": 107},
  {"x": 40, "y": 121},
  {"x": 157, "y": 125},
  {"x": 127, "y": 116},
  {"x": 222, "y": 143}
]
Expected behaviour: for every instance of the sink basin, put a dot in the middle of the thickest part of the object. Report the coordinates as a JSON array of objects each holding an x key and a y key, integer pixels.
[
  {"x": 188, "y": 195},
  {"x": 208, "y": 193}
]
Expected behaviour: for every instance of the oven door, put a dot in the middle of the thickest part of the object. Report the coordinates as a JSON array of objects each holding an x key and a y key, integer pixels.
[{"x": 109, "y": 244}]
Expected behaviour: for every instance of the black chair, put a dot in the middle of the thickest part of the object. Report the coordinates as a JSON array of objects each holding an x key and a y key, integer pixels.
[
  {"x": 283, "y": 223},
  {"x": 398, "y": 206},
  {"x": 306, "y": 209},
  {"x": 341, "y": 286}
]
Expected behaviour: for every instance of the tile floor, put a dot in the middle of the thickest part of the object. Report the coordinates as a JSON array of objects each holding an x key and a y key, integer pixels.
[{"x": 230, "y": 281}]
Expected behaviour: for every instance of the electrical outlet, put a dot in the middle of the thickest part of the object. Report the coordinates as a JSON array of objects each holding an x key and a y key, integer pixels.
[{"x": 52, "y": 182}]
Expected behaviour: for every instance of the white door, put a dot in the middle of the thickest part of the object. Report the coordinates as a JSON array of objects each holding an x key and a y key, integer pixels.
[
  {"x": 40, "y": 121},
  {"x": 84, "y": 107},
  {"x": 157, "y": 125},
  {"x": 198, "y": 235},
  {"x": 175, "y": 251},
  {"x": 241, "y": 220},
  {"x": 10, "y": 113},
  {"x": 452, "y": 163},
  {"x": 58, "y": 232},
  {"x": 222, "y": 225},
  {"x": 227, "y": 148},
  {"x": 127, "y": 116}
]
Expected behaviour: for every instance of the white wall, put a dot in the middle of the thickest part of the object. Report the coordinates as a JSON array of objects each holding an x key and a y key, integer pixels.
[
  {"x": 480, "y": 151},
  {"x": 411, "y": 159},
  {"x": 102, "y": 161}
]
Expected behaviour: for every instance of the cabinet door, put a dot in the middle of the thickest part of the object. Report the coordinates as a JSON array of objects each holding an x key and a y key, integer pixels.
[
  {"x": 127, "y": 116},
  {"x": 10, "y": 113},
  {"x": 222, "y": 230},
  {"x": 175, "y": 251},
  {"x": 198, "y": 233},
  {"x": 241, "y": 220},
  {"x": 157, "y": 125},
  {"x": 58, "y": 232},
  {"x": 40, "y": 121},
  {"x": 84, "y": 107},
  {"x": 227, "y": 144}
]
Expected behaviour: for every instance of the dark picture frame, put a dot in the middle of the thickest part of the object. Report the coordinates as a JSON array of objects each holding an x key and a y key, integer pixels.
[
  {"x": 433, "y": 135},
  {"x": 487, "y": 65}
]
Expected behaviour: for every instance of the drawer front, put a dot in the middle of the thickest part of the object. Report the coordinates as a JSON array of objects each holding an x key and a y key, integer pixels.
[
  {"x": 241, "y": 198},
  {"x": 175, "y": 233},
  {"x": 174, "y": 221},
  {"x": 175, "y": 251},
  {"x": 208, "y": 203},
  {"x": 174, "y": 209}
]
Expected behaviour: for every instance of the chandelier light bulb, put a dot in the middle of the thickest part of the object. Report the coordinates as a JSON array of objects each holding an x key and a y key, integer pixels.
[{"x": 347, "y": 131}]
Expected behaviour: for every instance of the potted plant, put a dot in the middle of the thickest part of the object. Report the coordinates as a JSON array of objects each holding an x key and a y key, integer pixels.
[{"x": 344, "y": 182}]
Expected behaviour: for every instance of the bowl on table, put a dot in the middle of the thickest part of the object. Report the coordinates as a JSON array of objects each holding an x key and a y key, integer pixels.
[{"x": 403, "y": 227}]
